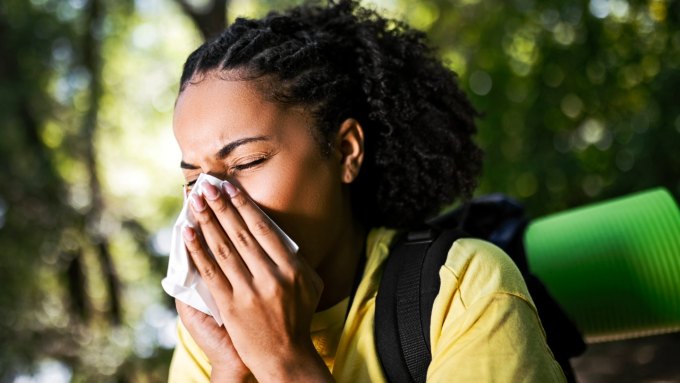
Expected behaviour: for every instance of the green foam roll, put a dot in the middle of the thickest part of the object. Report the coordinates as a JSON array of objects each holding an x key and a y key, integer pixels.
[{"x": 613, "y": 266}]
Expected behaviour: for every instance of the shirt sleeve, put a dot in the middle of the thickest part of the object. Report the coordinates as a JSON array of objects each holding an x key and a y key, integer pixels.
[
  {"x": 485, "y": 327},
  {"x": 189, "y": 364}
]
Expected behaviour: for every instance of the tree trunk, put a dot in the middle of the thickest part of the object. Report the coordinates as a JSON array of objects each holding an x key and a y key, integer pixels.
[{"x": 210, "y": 20}]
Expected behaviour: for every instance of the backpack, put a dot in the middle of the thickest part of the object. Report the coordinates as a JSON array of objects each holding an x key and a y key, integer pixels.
[{"x": 410, "y": 283}]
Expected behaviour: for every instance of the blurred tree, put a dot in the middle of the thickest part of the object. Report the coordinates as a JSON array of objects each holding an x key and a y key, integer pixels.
[
  {"x": 578, "y": 98},
  {"x": 210, "y": 18},
  {"x": 62, "y": 290}
]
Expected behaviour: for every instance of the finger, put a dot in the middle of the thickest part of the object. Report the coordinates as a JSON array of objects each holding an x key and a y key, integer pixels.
[
  {"x": 202, "y": 327},
  {"x": 190, "y": 316},
  {"x": 199, "y": 324},
  {"x": 221, "y": 247},
  {"x": 231, "y": 222},
  {"x": 265, "y": 232},
  {"x": 207, "y": 267}
]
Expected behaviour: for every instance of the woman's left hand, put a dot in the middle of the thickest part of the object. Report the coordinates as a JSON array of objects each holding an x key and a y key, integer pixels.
[
  {"x": 216, "y": 344},
  {"x": 266, "y": 293}
]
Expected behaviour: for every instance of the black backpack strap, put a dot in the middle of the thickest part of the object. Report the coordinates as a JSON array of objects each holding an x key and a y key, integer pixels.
[{"x": 403, "y": 309}]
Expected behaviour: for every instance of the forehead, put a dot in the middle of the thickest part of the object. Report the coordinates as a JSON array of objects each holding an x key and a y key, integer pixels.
[
  {"x": 211, "y": 97},
  {"x": 212, "y": 110},
  {"x": 217, "y": 111}
]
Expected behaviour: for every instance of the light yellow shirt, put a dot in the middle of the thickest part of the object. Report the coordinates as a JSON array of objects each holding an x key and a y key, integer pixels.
[{"x": 484, "y": 324}]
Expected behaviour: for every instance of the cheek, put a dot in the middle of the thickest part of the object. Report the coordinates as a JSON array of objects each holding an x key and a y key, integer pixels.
[
  {"x": 304, "y": 200},
  {"x": 305, "y": 190}
]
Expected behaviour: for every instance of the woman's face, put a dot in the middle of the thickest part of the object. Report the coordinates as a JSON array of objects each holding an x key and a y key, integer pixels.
[{"x": 225, "y": 128}]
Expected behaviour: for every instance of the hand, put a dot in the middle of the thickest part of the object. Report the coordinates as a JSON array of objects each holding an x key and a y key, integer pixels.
[
  {"x": 216, "y": 343},
  {"x": 266, "y": 294}
]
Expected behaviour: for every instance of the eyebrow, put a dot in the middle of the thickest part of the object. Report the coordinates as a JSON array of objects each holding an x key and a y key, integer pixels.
[{"x": 226, "y": 149}]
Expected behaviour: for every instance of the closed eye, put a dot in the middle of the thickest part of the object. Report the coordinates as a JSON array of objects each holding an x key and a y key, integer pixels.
[
  {"x": 188, "y": 186},
  {"x": 250, "y": 164},
  {"x": 236, "y": 168}
]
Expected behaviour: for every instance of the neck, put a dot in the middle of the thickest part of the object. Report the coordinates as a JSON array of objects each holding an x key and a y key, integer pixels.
[{"x": 339, "y": 268}]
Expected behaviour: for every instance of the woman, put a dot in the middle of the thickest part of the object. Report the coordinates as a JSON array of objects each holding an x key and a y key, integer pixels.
[{"x": 342, "y": 126}]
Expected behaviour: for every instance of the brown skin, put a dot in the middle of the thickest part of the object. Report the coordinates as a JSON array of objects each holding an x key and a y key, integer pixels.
[{"x": 266, "y": 294}]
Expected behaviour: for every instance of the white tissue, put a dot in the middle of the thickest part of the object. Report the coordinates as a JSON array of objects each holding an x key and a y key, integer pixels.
[{"x": 183, "y": 281}]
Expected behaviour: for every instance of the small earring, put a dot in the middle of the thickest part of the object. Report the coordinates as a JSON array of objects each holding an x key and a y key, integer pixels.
[
  {"x": 349, "y": 175},
  {"x": 347, "y": 178}
]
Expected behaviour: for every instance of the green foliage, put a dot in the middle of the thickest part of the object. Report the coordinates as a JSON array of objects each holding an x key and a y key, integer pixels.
[
  {"x": 80, "y": 279},
  {"x": 578, "y": 98}
]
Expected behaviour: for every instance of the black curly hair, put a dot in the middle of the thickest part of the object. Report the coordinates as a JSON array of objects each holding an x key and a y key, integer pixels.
[{"x": 344, "y": 61}]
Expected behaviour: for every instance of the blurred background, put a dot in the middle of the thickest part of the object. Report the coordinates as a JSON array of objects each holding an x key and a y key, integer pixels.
[{"x": 580, "y": 103}]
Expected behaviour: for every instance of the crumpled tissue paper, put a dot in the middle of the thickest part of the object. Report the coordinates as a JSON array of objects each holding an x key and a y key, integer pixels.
[{"x": 183, "y": 281}]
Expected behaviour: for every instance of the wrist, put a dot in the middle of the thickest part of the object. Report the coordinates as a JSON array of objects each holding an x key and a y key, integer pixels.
[
  {"x": 220, "y": 374},
  {"x": 299, "y": 364}
]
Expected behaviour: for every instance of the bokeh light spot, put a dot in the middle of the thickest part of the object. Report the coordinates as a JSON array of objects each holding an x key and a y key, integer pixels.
[
  {"x": 48, "y": 371},
  {"x": 651, "y": 66},
  {"x": 658, "y": 10},
  {"x": 480, "y": 82},
  {"x": 571, "y": 106},
  {"x": 592, "y": 185},
  {"x": 517, "y": 91},
  {"x": 599, "y": 8},
  {"x": 562, "y": 141},
  {"x": 455, "y": 61},
  {"x": 591, "y": 131},
  {"x": 564, "y": 33},
  {"x": 619, "y": 9},
  {"x": 161, "y": 241},
  {"x": 526, "y": 184},
  {"x": 144, "y": 36},
  {"x": 549, "y": 18},
  {"x": 553, "y": 75},
  {"x": 596, "y": 72},
  {"x": 625, "y": 160},
  {"x": 422, "y": 15}
]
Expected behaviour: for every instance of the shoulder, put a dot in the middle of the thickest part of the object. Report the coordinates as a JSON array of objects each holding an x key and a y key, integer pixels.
[
  {"x": 473, "y": 268},
  {"x": 479, "y": 268},
  {"x": 484, "y": 319}
]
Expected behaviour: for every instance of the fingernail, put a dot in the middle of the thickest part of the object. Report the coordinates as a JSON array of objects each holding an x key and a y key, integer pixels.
[
  {"x": 188, "y": 233},
  {"x": 210, "y": 191},
  {"x": 197, "y": 202},
  {"x": 229, "y": 188}
]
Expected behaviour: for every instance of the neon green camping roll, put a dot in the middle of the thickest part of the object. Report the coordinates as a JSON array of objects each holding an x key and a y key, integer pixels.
[{"x": 613, "y": 266}]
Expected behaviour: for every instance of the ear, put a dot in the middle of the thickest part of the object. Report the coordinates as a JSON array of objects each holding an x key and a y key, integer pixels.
[{"x": 350, "y": 147}]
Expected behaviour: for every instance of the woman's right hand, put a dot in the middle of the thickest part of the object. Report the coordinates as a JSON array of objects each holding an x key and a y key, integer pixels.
[{"x": 216, "y": 344}]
